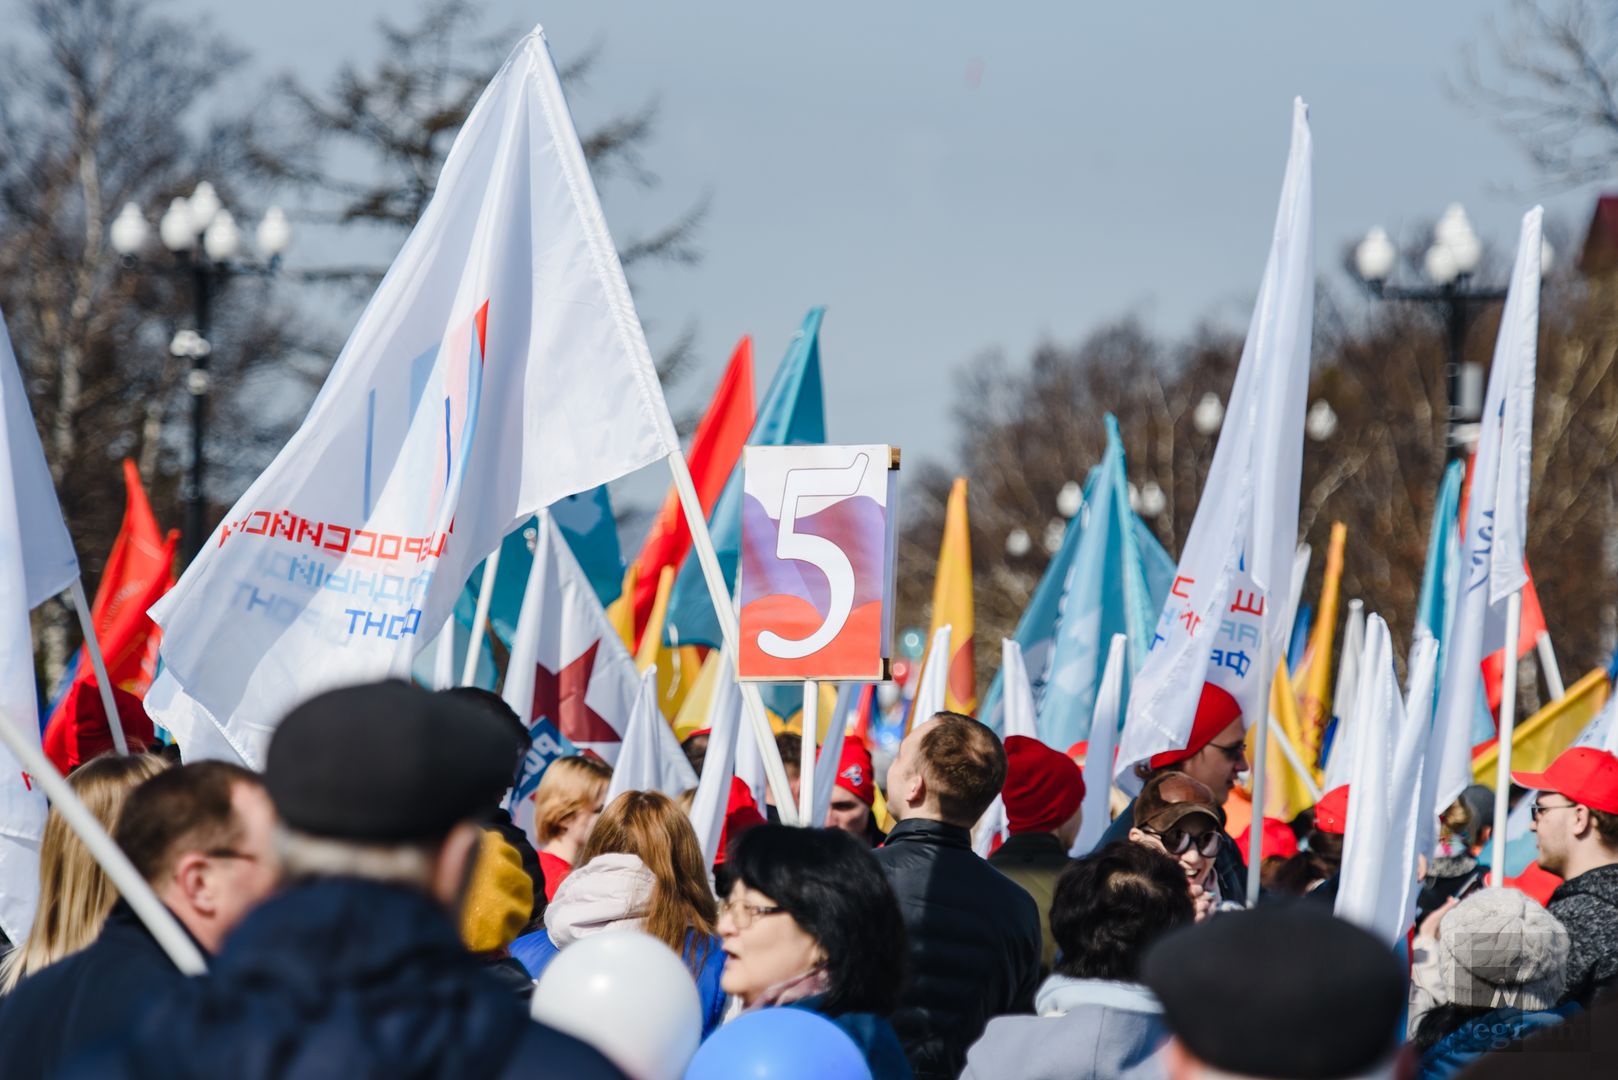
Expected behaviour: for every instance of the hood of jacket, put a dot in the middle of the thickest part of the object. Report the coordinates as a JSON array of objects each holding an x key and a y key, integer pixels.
[
  {"x": 1061, "y": 994},
  {"x": 609, "y": 892}
]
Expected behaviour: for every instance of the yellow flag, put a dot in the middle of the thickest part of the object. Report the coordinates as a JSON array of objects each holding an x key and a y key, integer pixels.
[
  {"x": 952, "y": 602},
  {"x": 1537, "y": 741},
  {"x": 677, "y": 667},
  {"x": 1313, "y": 681},
  {"x": 693, "y": 713},
  {"x": 1285, "y": 792},
  {"x": 824, "y": 710},
  {"x": 621, "y": 612}
]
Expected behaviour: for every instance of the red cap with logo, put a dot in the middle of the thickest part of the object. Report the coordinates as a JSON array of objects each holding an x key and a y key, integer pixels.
[
  {"x": 1216, "y": 710},
  {"x": 1584, "y": 774},
  {"x": 855, "y": 773},
  {"x": 1331, "y": 812}
]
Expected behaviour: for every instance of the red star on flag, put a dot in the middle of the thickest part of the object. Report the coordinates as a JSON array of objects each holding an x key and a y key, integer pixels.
[{"x": 560, "y": 695}]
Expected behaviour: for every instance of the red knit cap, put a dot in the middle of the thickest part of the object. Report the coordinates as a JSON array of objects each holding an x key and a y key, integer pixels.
[
  {"x": 855, "y": 773},
  {"x": 79, "y": 729},
  {"x": 741, "y": 814},
  {"x": 1215, "y": 711},
  {"x": 1043, "y": 786},
  {"x": 1331, "y": 812}
]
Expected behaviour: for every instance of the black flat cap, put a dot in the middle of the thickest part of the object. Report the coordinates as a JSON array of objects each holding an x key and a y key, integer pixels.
[
  {"x": 386, "y": 762},
  {"x": 1279, "y": 991}
]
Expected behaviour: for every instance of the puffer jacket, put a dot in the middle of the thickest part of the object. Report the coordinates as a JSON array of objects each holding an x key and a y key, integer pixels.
[
  {"x": 1487, "y": 1034},
  {"x": 1588, "y": 907},
  {"x": 974, "y": 941},
  {"x": 342, "y": 978}
]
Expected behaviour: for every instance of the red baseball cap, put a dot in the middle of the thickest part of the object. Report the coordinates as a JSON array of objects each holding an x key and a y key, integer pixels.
[
  {"x": 1043, "y": 787},
  {"x": 1216, "y": 710},
  {"x": 1584, "y": 774},
  {"x": 1331, "y": 812},
  {"x": 855, "y": 773},
  {"x": 1277, "y": 839}
]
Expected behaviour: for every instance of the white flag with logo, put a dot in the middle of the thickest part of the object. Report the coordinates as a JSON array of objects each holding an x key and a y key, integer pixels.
[
  {"x": 36, "y": 563},
  {"x": 499, "y": 367},
  {"x": 568, "y": 665},
  {"x": 1222, "y": 622},
  {"x": 1496, "y": 521}
]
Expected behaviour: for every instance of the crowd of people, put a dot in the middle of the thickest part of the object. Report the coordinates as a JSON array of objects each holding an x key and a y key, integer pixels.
[{"x": 368, "y": 907}]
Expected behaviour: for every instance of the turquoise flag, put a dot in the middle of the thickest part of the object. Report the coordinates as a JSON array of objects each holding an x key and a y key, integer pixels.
[
  {"x": 793, "y": 414},
  {"x": 1443, "y": 546}
]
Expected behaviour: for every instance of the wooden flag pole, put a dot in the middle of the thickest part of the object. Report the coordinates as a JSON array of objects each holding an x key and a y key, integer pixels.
[
  {"x": 480, "y": 620},
  {"x": 806, "y": 759},
  {"x": 1508, "y": 725},
  {"x": 730, "y": 630},
  {"x": 131, "y": 886},
  {"x": 98, "y": 664}
]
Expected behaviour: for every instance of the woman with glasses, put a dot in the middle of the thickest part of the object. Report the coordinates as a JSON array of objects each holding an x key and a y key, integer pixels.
[
  {"x": 1175, "y": 815},
  {"x": 811, "y": 923}
]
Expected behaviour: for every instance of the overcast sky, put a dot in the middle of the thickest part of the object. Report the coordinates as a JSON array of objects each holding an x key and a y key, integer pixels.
[{"x": 950, "y": 178}]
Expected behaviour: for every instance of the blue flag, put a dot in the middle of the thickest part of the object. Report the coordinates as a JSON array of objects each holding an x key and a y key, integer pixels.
[{"x": 793, "y": 414}]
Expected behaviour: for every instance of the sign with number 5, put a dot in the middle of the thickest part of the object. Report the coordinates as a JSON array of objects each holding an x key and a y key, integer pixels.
[{"x": 817, "y": 562}]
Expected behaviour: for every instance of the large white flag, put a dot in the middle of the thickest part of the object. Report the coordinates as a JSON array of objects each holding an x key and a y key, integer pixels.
[
  {"x": 499, "y": 367},
  {"x": 719, "y": 763},
  {"x": 568, "y": 665},
  {"x": 930, "y": 694},
  {"x": 651, "y": 759},
  {"x": 1098, "y": 755},
  {"x": 1387, "y": 743},
  {"x": 1018, "y": 718},
  {"x": 36, "y": 563},
  {"x": 1496, "y": 521},
  {"x": 1222, "y": 621}
]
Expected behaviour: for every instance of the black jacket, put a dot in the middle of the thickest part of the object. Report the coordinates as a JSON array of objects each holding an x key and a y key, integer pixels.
[
  {"x": 1230, "y": 865},
  {"x": 974, "y": 941},
  {"x": 340, "y": 978},
  {"x": 83, "y": 998},
  {"x": 1588, "y": 907}
]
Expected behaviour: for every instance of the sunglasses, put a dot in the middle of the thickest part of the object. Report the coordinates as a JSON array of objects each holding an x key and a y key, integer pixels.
[
  {"x": 1236, "y": 751},
  {"x": 1176, "y": 841}
]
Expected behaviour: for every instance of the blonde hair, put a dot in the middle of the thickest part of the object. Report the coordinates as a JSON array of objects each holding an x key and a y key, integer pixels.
[
  {"x": 571, "y": 785},
  {"x": 649, "y": 825},
  {"x": 75, "y": 894}
]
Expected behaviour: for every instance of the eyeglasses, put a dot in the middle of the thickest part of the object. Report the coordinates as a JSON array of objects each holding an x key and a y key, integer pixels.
[
  {"x": 1236, "y": 751},
  {"x": 1538, "y": 808},
  {"x": 743, "y": 915},
  {"x": 230, "y": 853},
  {"x": 1176, "y": 841}
]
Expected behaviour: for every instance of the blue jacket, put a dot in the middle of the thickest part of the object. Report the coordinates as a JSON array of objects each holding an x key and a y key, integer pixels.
[
  {"x": 1486, "y": 1034},
  {"x": 536, "y": 950},
  {"x": 872, "y": 1034},
  {"x": 342, "y": 978}
]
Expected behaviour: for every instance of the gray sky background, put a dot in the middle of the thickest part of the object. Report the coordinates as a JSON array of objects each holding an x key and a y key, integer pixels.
[{"x": 950, "y": 178}]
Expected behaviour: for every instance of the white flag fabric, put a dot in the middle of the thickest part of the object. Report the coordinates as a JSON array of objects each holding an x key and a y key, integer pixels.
[
  {"x": 568, "y": 665},
  {"x": 1377, "y": 888},
  {"x": 829, "y": 755},
  {"x": 1222, "y": 622},
  {"x": 36, "y": 563},
  {"x": 719, "y": 763},
  {"x": 934, "y": 679},
  {"x": 499, "y": 367},
  {"x": 651, "y": 759},
  {"x": 1346, "y": 693},
  {"x": 1019, "y": 717},
  {"x": 1478, "y": 617},
  {"x": 749, "y": 758},
  {"x": 1098, "y": 756}
]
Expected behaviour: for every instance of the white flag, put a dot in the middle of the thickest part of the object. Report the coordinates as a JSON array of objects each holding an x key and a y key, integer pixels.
[
  {"x": 934, "y": 679},
  {"x": 727, "y": 699},
  {"x": 36, "y": 563},
  {"x": 1222, "y": 621},
  {"x": 651, "y": 759},
  {"x": 1377, "y": 887},
  {"x": 568, "y": 665},
  {"x": 1019, "y": 718},
  {"x": 499, "y": 367},
  {"x": 719, "y": 763},
  {"x": 1098, "y": 755},
  {"x": 1346, "y": 694},
  {"x": 1496, "y": 525}
]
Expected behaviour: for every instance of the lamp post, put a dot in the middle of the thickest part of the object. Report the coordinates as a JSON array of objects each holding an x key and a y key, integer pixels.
[
  {"x": 1448, "y": 264},
  {"x": 206, "y": 245}
]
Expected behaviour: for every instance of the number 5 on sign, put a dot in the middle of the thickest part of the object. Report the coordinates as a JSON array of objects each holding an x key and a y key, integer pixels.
[{"x": 817, "y": 562}]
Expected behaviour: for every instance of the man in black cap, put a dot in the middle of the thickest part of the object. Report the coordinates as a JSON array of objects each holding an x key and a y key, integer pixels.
[
  {"x": 1282, "y": 991},
  {"x": 357, "y": 968}
]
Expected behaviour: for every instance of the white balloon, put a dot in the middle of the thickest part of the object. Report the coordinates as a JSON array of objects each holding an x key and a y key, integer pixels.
[{"x": 628, "y": 995}]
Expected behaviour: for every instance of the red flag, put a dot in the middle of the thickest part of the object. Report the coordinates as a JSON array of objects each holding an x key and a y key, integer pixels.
[
  {"x": 715, "y": 449},
  {"x": 1533, "y": 625},
  {"x": 139, "y": 570}
]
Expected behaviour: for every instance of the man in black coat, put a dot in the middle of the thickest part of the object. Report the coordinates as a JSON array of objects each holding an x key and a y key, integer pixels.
[
  {"x": 974, "y": 934},
  {"x": 200, "y": 835},
  {"x": 356, "y": 968}
]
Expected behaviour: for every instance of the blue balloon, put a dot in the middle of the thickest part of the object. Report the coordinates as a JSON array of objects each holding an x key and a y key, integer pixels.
[{"x": 779, "y": 1044}]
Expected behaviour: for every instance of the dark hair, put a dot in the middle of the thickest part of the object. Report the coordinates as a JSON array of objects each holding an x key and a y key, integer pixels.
[
  {"x": 495, "y": 705},
  {"x": 1606, "y": 825},
  {"x": 1111, "y": 905},
  {"x": 834, "y": 890},
  {"x": 1320, "y": 860},
  {"x": 695, "y": 748},
  {"x": 186, "y": 808},
  {"x": 965, "y": 766},
  {"x": 1441, "y": 1021},
  {"x": 791, "y": 748}
]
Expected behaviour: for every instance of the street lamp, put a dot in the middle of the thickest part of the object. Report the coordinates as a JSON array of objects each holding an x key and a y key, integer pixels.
[
  {"x": 205, "y": 243},
  {"x": 1448, "y": 263},
  {"x": 1018, "y": 543},
  {"x": 1208, "y": 415},
  {"x": 1321, "y": 422}
]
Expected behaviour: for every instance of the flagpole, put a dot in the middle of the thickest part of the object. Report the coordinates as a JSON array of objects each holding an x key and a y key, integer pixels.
[
  {"x": 1290, "y": 751},
  {"x": 1548, "y": 664},
  {"x": 1255, "y": 831},
  {"x": 98, "y": 664},
  {"x": 130, "y": 885},
  {"x": 730, "y": 631},
  {"x": 480, "y": 620},
  {"x": 1508, "y": 724},
  {"x": 806, "y": 759}
]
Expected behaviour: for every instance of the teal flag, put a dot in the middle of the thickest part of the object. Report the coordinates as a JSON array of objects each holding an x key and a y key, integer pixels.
[{"x": 793, "y": 414}]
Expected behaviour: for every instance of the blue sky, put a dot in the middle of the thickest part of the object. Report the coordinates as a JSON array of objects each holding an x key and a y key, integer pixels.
[{"x": 951, "y": 178}]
